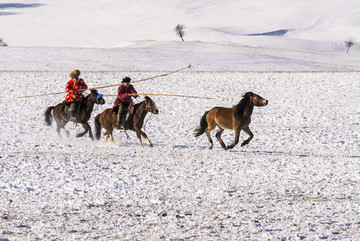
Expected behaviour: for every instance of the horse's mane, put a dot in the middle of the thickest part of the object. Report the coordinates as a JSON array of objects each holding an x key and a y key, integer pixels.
[
  {"x": 93, "y": 92},
  {"x": 137, "y": 105},
  {"x": 142, "y": 102},
  {"x": 243, "y": 102}
]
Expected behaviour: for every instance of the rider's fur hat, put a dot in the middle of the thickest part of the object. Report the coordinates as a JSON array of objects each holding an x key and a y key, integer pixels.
[
  {"x": 75, "y": 73},
  {"x": 126, "y": 79}
]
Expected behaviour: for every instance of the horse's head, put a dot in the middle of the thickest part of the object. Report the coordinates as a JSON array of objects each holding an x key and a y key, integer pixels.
[
  {"x": 150, "y": 105},
  {"x": 96, "y": 97},
  {"x": 256, "y": 100},
  {"x": 250, "y": 99}
]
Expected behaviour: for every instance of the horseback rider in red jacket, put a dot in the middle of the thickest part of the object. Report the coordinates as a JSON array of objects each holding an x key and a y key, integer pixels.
[
  {"x": 123, "y": 99},
  {"x": 75, "y": 87}
]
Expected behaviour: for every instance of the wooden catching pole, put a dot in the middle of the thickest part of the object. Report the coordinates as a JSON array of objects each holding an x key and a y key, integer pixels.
[
  {"x": 56, "y": 93},
  {"x": 185, "y": 96},
  {"x": 107, "y": 86},
  {"x": 154, "y": 77}
]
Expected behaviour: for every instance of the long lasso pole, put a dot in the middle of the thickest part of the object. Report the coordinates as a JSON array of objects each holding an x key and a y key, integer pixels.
[
  {"x": 185, "y": 96},
  {"x": 107, "y": 86},
  {"x": 154, "y": 77}
]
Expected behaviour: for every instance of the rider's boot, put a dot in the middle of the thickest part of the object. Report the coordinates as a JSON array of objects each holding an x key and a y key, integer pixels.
[
  {"x": 120, "y": 117},
  {"x": 120, "y": 121},
  {"x": 73, "y": 111}
]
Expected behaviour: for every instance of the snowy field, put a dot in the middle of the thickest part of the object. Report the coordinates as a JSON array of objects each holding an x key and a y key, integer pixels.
[{"x": 297, "y": 179}]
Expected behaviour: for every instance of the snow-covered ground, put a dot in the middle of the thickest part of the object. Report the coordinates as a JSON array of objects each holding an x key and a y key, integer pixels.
[
  {"x": 168, "y": 56},
  {"x": 298, "y": 179}
]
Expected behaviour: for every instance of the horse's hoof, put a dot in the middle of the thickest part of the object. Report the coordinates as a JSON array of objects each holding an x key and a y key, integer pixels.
[{"x": 150, "y": 145}]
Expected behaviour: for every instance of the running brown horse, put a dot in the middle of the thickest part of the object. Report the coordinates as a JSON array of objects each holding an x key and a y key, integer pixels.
[
  {"x": 61, "y": 116},
  {"x": 108, "y": 120},
  {"x": 236, "y": 118}
]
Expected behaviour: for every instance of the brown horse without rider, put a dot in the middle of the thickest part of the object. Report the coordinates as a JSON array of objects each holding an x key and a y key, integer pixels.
[
  {"x": 62, "y": 118},
  {"x": 236, "y": 118},
  {"x": 108, "y": 120}
]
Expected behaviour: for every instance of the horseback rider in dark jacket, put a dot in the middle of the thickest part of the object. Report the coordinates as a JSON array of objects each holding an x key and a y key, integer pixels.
[{"x": 123, "y": 99}]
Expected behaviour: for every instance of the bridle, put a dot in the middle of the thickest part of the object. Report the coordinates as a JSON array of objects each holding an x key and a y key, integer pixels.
[
  {"x": 98, "y": 97},
  {"x": 149, "y": 107},
  {"x": 95, "y": 99}
]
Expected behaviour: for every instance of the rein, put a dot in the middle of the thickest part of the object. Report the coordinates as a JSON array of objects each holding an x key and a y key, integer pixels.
[
  {"x": 148, "y": 109},
  {"x": 147, "y": 121}
]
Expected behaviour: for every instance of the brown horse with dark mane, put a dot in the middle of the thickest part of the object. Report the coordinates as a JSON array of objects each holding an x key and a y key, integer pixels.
[
  {"x": 61, "y": 116},
  {"x": 108, "y": 120},
  {"x": 236, "y": 118}
]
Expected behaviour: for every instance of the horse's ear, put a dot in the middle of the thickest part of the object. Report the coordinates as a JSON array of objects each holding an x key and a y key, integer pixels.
[{"x": 148, "y": 100}]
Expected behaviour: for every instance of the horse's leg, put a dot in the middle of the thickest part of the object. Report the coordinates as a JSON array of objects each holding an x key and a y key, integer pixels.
[
  {"x": 251, "y": 135},
  {"x": 111, "y": 138},
  {"x": 218, "y": 136},
  {"x": 60, "y": 124},
  {"x": 140, "y": 133},
  {"x": 66, "y": 131},
  {"x": 90, "y": 132},
  {"x": 236, "y": 140},
  {"x": 87, "y": 128},
  {"x": 58, "y": 129},
  {"x": 211, "y": 126},
  {"x": 210, "y": 140},
  {"x": 106, "y": 136},
  {"x": 139, "y": 139}
]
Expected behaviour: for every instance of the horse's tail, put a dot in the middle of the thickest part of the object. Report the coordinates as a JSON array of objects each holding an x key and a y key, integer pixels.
[
  {"x": 48, "y": 116},
  {"x": 97, "y": 127},
  {"x": 203, "y": 125}
]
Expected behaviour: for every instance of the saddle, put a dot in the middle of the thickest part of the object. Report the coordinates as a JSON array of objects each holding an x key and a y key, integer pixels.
[
  {"x": 129, "y": 111},
  {"x": 67, "y": 106}
]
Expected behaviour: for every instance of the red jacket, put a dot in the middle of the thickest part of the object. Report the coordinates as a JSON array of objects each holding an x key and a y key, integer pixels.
[
  {"x": 72, "y": 87},
  {"x": 123, "y": 97}
]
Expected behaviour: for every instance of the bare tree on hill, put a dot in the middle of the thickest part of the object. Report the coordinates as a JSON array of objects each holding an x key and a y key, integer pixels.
[
  {"x": 349, "y": 43},
  {"x": 2, "y": 43},
  {"x": 179, "y": 29}
]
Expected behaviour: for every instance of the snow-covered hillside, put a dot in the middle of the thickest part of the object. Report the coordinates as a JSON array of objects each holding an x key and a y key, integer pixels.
[
  {"x": 169, "y": 56},
  {"x": 219, "y": 35},
  {"x": 109, "y": 23}
]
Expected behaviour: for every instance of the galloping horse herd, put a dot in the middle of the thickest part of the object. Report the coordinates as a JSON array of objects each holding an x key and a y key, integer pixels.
[{"x": 236, "y": 118}]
